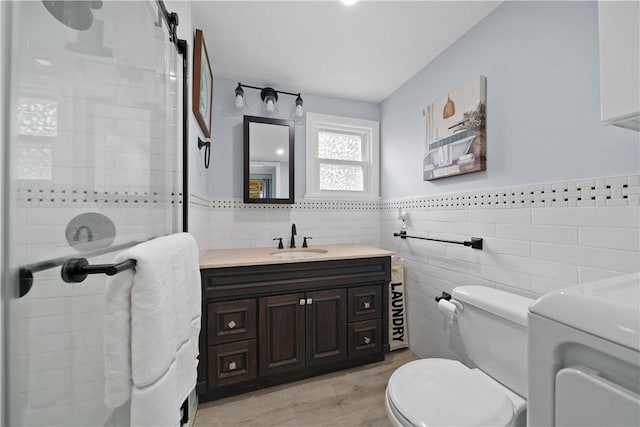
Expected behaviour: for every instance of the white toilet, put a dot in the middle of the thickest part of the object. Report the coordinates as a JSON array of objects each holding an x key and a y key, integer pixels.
[{"x": 442, "y": 392}]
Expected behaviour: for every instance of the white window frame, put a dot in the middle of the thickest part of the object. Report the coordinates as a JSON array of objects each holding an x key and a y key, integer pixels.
[{"x": 369, "y": 130}]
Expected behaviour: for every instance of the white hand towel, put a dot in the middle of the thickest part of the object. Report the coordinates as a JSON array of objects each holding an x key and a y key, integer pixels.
[{"x": 151, "y": 329}]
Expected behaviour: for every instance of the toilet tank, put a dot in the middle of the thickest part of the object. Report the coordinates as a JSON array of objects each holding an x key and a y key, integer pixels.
[{"x": 493, "y": 327}]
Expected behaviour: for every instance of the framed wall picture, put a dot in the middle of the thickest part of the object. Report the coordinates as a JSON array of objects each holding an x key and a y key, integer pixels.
[
  {"x": 202, "y": 84},
  {"x": 455, "y": 137}
]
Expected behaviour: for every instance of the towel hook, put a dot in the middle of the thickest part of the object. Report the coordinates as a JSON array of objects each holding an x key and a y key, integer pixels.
[{"x": 207, "y": 151}]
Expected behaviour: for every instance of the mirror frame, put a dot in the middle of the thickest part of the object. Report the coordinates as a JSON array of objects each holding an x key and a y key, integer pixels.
[{"x": 280, "y": 122}]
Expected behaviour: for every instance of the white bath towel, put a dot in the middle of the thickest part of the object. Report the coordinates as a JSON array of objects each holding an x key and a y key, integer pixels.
[{"x": 151, "y": 329}]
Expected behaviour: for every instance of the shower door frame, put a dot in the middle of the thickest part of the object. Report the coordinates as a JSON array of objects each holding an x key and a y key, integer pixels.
[
  {"x": 172, "y": 20},
  {"x": 7, "y": 293},
  {"x": 9, "y": 279}
]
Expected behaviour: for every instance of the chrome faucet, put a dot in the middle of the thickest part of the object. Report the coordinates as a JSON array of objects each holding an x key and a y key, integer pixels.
[{"x": 292, "y": 244}]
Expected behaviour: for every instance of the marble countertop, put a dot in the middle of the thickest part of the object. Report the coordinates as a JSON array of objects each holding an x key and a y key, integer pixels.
[{"x": 217, "y": 258}]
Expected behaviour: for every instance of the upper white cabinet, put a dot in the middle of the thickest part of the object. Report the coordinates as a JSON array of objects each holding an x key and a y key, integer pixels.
[{"x": 620, "y": 63}]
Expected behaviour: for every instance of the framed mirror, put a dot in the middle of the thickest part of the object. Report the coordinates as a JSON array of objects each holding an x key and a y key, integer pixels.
[{"x": 268, "y": 160}]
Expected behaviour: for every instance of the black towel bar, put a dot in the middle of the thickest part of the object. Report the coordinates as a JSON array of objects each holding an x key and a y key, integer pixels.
[
  {"x": 475, "y": 242},
  {"x": 25, "y": 273},
  {"x": 75, "y": 270}
]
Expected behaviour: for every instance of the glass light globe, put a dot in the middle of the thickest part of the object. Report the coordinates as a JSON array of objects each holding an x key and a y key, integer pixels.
[{"x": 270, "y": 106}]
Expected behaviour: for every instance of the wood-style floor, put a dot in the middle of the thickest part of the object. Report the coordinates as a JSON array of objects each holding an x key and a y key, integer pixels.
[{"x": 353, "y": 397}]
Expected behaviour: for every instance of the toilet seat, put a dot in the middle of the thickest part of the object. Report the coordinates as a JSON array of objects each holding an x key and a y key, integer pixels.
[{"x": 441, "y": 392}]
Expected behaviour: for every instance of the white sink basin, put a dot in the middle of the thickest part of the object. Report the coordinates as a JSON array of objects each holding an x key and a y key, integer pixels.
[{"x": 299, "y": 253}]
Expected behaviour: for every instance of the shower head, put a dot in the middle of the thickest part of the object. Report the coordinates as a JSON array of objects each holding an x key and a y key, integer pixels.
[{"x": 77, "y": 15}]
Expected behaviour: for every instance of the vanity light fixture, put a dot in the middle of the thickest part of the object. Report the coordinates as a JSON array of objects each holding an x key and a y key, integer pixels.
[
  {"x": 299, "y": 111},
  {"x": 349, "y": 2},
  {"x": 239, "y": 96},
  {"x": 269, "y": 97}
]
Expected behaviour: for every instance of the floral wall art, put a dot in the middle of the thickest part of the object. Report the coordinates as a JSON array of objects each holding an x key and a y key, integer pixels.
[{"x": 455, "y": 138}]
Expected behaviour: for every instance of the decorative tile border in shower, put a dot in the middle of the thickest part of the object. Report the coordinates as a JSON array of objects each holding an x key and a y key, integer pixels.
[
  {"x": 43, "y": 195},
  {"x": 597, "y": 192}
]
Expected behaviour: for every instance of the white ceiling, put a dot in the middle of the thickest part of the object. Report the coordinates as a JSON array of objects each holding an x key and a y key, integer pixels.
[{"x": 364, "y": 52}]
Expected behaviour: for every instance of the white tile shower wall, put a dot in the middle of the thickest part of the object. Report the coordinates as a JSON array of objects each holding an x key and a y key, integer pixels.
[
  {"x": 537, "y": 238},
  {"x": 96, "y": 133},
  {"x": 61, "y": 337},
  {"x": 233, "y": 224},
  {"x": 95, "y": 128}
]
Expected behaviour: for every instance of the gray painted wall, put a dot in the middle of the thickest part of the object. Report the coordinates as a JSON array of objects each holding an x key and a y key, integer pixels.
[
  {"x": 225, "y": 173},
  {"x": 543, "y": 103}
]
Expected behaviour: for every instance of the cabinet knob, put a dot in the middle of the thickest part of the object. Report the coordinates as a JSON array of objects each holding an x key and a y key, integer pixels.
[
  {"x": 309, "y": 300},
  {"x": 367, "y": 340},
  {"x": 231, "y": 324},
  {"x": 232, "y": 366},
  {"x": 367, "y": 304},
  {"x": 302, "y": 301}
]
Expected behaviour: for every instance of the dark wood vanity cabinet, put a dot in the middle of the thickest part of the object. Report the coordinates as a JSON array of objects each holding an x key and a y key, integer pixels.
[
  {"x": 231, "y": 321},
  {"x": 365, "y": 321},
  {"x": 269, "y": 324},
  {"x": 282, "y": 330},
  {"x": 231, "y": 351},
  {"x": 303, "y": 329},
  {"x": 326, "y": 333}
]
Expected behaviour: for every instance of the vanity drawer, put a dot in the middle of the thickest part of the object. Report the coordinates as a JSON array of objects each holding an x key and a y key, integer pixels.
[
  {"x": 365, "y": 338},
  {"x": 231, "y": 321},
  {"x": 365, "y": 303},
  {"x": 232, "y": 363}
]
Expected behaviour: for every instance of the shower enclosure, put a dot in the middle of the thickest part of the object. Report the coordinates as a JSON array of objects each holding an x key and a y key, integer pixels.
[{"x": 92, "y": 163}]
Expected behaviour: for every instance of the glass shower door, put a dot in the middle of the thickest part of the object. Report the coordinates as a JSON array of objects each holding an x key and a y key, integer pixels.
[{"x": 94, "y": 165}]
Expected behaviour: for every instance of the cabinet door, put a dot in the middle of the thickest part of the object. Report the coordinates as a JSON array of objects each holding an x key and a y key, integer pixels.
[
  {"x": 365, "y": 338},
  {"x": 326, "y": 326},
  {"x": 231, "y": 321},
  {"x": 282, "y": 333},
  {"x": 232, "y": 363},
  {"x": 365, "y": 303}
]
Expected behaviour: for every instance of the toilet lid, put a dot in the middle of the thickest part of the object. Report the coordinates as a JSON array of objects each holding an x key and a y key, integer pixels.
[{"x": 441, "y": 392}]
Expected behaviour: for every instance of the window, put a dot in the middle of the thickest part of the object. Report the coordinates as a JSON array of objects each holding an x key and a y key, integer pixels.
[{"x": 342, "y": 157}]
